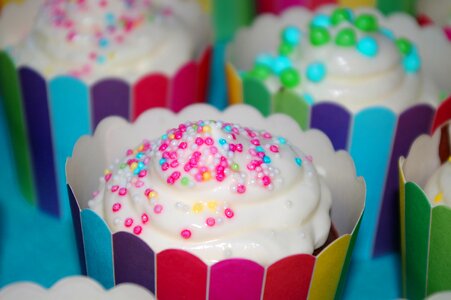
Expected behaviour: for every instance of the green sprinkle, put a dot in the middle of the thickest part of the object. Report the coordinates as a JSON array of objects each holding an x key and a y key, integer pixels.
[
  {"x": 319, "y": 36},
  {"x": 339, "y": 15},
  {"x": 367, "y": 23},
  {"x": 184, "y": 181},
  {"x": 260, "y": 72},
  {"x": 290, "y": 78},
  {"x": 285, "y": 49},
  {"x": 122, "y": 166},
  {"x": 404, "y": 46},
  {"x": 346, "y": 37},
  {"x": 235, "y": 167}
]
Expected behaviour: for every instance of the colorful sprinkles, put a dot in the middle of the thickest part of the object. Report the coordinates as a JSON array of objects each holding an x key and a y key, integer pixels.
[
  {"x": 356, "y": 32},
  {"x": 195, "y": 154}
]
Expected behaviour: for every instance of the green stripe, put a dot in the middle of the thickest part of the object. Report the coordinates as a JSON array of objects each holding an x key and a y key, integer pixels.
[
  {"x": 229, "y": 15},
  {"x": 290, "y": 103},
  {"x": 418, "y": 220},
  {"x": 11, "y": 95},
  {"x": 257, "y": 95},
  {"x": 390, "y": 6}
]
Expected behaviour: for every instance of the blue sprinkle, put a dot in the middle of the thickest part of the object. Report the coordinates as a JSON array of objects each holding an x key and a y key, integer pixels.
[
  {"x": 321, "y": 20},
  {"x": 139, "y": 155},
  {"x": 266, "y": 159},
  {"x": 412, "y": 62},
  {"x": 222, "y": 141},
  {"x": 110, "y": 18},
  {"x": 298, "y": 161},
  {"x": 280, "y": 63},
  {"x": 282, "y": 140},
  {"x": 228, "y": 128},
  {"x": 136, "y": 171},
  {"x": 368, "y": 46},
  {"x": 259, "y": 149},
  {"x": 291, "y": 35},
  {"x": 164, "y": 137},
  {"x": 388, "y": 33},
  {"x": 162, "y": 161},
  {"x": 101, "y": 59},
  {"x": 103, "y": 42},
  {"x": 309, "y": 99},
  {"x": 316, "y": 71},
  {"x": 264, "y": 60},
  {"x": 140, "y": 165}
]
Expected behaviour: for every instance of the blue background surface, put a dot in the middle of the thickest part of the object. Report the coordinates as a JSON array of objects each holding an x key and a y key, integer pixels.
[{"x": 35, "y": 247}]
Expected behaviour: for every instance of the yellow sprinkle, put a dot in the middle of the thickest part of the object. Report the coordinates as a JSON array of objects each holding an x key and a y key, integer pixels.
[
  {"x": 206, "y": 128},
  {"x": 140, "y": 148},
  {"x": 449, "y": 159},
  {"x": 111, "y": 55},
  {"x": 133, "y": 166},
  {"x": 153, "y": 194},
  {"x": 438, "y": 198},
  {"x": 212, "y": 205},
  {"x": 106, "y": 171},
  {"x": 198, "y": 207},
  {"x": 206, "y": 176}
]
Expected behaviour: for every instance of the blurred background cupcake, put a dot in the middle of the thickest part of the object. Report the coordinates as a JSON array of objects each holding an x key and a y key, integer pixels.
[
  {"x": 208, "y": 204},
  {"x": 425, "y": 177},
  {"x": 328, "y": 55},
  {"x": 82, "y": 61}
]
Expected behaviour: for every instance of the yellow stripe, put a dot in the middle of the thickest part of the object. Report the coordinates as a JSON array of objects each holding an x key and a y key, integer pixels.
[
  {"x": 234, "y": 85},
  {"x": 357, "y": 3},
  {"x": 328, "y": 267},
  {"x": 206, "y": 5},
  {"x": 402, "y": 218}
]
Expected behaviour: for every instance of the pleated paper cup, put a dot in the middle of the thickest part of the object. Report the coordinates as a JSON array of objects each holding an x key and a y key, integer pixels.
[
  {"x": 425, "y": 228},
  {"x": 47, "y": 115},
  {"x": 375, "y": 136},
  {"x": 112, "y": 258}
]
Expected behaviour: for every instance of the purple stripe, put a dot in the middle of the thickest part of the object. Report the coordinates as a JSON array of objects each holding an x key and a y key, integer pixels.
[
  {"x": 34, "y": 94},
  {"x": 334, "y": 120},
  {"x": 75, "y": 210},
  {"x": 411, "y": 123},
  {"x": 236, "y": 279},
  {"x": 134, "y": 261},
  {"x": 110, "y": 97}
]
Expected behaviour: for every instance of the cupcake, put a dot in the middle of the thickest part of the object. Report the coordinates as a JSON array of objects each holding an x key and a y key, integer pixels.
[
  {"x": 187, "y": 207},
  {"x": 425, "y": 177},
  {"x": 343, "y": 72},
  {"x": 85, "y": 60}
]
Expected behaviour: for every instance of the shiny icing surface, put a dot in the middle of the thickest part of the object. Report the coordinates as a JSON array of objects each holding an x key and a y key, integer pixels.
[
  {"x": 438, "y": 187},
  {"x": 92, "y": 39},
  {"x": 348, "y": 59},
  {"x": 219, "y": 191}
]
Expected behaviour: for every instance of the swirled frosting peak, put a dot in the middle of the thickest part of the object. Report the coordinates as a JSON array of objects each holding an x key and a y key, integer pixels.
[
  {"x": 218, "y": 190},
  {"x": 91, "y": 39}
]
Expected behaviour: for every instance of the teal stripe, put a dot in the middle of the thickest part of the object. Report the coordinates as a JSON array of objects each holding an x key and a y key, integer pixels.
[
  {"x": 69, "y": 106},
  {"x": 370, "y": 147}
]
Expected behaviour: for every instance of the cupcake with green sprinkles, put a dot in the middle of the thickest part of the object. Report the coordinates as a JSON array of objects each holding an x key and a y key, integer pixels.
[{"x": 347, "y": 58}]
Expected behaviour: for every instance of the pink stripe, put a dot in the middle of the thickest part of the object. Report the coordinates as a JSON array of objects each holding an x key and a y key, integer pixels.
[
  {"x": 151, "y": 91},
  {"x": 184, "y": 87}
]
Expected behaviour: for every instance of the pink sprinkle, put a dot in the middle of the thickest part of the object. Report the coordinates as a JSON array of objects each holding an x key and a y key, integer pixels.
[
  {"x": 309, "y": 158},
  {"x": 176, "y": 175},
  {"x": 147, "y": 192},
  {"x": 220, "y": 169},
  {"x": 139, "y": 183},
  {"x": 250, "y": 166},
  {"x": 114, "y": 188},
  {"x": 166, "y": 155},
  {"x": 122, "y": 191},
  {"x": 210, "y": 221},
  {"x": 261, "y": 154},
  {"x": 116, "y": 207},
  {"x": 229, "y": 213},
  {"x": 232, "y": 147},
  {"x": 209, "y": 141},
  {"x": 213, "y": 150},
  {"x": 266, "y": 180},
  {"x": 142, "y": 173},
  {"x": 129, "y": 152},
  {"x": 128, "y": 222},
  {"x": 255, "y": 142},
  {"x": 274, "y": 148},
  {"x": 241, "y": 189},
  {"x": 173, "y": 155},
  {"x": 165, "y": 166},
  {"x": 158, "y": 209},
  {"x": 163, "y": 147},
  {"x": 144, "y": 218},
  {"x": 182, "y": 127},
  {"x": 94, "y": 194},
  {"x": 108, "y": 177},
  {"x": 170, "y": 180},
  {"x": 220, "y": 177},
  {"x": 174, "y": 164},
  {"x": 252, "y": 152},
  {"x": 178, "y": 135},
  {"x": 197, "y": 154},
  {"x": 137, "y": 230},
  {"x": 199, "y": 141},
  {"x": 186, "y": 233},
  {"x": 183, "y": 145},
  {"x": 198, "y": 177},
  {"x": 70, "y": 36},
  {"x": 187, "y": 167},
  {"x": 239, "y": 147},
  {"x": 267, "y": 135}
]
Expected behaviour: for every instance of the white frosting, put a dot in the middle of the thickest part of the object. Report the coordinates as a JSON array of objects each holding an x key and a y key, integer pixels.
[
  {"x": 438, "y": 188},
  {"x": 93, "y": 39},
  {"x": 237, "y": 200},
  {"x": 356, "y": 80}
]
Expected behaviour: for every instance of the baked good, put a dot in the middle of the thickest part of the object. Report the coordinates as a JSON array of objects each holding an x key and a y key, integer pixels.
[
  {"x": 438, "y": 187},
  {"x": 218, "y": 190},
  {"x": 93, "y": 39},
  {"x": 347, "y": 58}
]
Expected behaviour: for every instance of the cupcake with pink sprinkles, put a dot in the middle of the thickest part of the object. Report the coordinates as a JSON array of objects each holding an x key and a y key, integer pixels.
[{"x": 217, "y": 190}]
